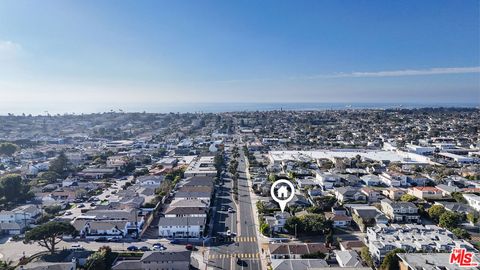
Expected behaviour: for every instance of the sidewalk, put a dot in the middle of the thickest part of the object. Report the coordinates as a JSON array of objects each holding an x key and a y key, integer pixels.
[{"x": 261, "y": 239}]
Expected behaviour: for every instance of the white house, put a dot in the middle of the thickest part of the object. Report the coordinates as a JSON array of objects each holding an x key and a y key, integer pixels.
[
  {"x": 181, "y": 227},
  {"x": 473, "y": 200}
]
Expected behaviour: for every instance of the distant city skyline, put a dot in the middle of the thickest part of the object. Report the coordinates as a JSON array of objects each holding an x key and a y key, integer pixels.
[{"x": 82, "y": 56}]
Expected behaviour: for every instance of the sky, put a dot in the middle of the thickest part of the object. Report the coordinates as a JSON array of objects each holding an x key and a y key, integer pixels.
[{"x": 77, "y": 55}]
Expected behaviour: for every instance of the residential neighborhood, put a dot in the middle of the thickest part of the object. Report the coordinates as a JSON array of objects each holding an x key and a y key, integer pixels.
[{"x": 160, "y": 191}]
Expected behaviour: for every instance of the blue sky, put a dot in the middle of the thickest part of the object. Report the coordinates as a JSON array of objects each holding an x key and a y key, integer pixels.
[{"x": 121, "y": 52}]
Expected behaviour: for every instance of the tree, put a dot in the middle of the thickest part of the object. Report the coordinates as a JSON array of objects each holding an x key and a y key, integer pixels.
[
  {"x": 390, "y": 262},
  {"x": 366, "y": 257},
  {"x": 435, "y": 212},
  {"x": 48, "y": 235},
  {"x": 472, "y": 218},
  {"x": 450, "y": 220},
  {"x": 13, "y": 189},
  {"x": 101, "y": 259},
  {"x": 50, "y": 176},
  {"x": 458, "y": 196},
  {"x": 461, "y": 233},
  {"x": 408, "y": 198},
  {"x": 8, "y": 149},
  {"x": 59, "y": 164}
]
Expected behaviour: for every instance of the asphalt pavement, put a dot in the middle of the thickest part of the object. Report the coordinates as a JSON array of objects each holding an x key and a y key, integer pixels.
[{"x": 243, "y": 246}]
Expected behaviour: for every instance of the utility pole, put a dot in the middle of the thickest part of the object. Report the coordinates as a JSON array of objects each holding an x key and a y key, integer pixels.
[{"x": 295, "y": 230}]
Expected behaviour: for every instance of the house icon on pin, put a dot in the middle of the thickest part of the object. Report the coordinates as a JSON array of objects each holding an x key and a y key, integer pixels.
[{"x": 282, "y": 192}]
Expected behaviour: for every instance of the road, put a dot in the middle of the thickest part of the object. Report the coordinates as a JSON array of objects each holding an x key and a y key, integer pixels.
[{"x": 244, "y": 245}]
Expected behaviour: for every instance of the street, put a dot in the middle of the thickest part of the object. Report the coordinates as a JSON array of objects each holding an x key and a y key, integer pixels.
[{"x": 244, "y": 245}]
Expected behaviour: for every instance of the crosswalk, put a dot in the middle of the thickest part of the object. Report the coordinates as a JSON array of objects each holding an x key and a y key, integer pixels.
[
  {"x": 245, "y": 239},
  {"x": 239, "y": 255}
]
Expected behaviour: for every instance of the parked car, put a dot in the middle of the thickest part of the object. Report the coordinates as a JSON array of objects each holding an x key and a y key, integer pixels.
[
  {"x": 174, "y": 241},
  {"x": 101, "y": 239},
  {"x": 81, "y": 205},
  {"x": 229, "y": 233},
  {"x": 76, "y": 247},
  {"x": 230, "y": 210},
  {"x": 189, "y": 247},
  {"x": 132, "y": 248},
  {"x": 144, "y": 248},
  {"x": 159, "y": 246}
]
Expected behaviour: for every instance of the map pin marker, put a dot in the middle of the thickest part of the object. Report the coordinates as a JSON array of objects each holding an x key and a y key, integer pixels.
[{"x": 280, "y": 193}]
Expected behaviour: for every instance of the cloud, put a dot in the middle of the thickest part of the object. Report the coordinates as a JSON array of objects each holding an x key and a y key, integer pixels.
[
  {"x": 399, "y": 73},
  {"x": 9, "y": 49}
]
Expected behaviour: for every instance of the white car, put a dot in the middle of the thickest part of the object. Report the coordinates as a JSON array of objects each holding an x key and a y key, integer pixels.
[
  {"x": 76, "y": 247},
  {"x": 229, "y": 233}
]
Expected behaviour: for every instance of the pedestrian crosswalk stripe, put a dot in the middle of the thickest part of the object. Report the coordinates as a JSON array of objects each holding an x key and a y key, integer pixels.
[
  {"x": 245, "y": 239},
  {"x": 235, "y": 255}
]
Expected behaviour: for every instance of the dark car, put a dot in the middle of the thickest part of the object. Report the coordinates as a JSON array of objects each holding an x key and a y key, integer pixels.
[
  {"x": 101, "y": 239},
  {"x": 144, "y": 248},
  {"x": 132, "y": 248},
  {"x": 174, "y": 241}
]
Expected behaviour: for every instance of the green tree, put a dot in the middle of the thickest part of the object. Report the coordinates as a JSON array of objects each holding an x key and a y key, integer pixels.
[
  {"x": 264, "y": 228},
  {"x": 390, "y": 262},
  {"x": 408, "y": 198},
  {"x": 101, "y": 259},
  {"x": 48, "y": 235},
  {"x": 366, "y": 257},
  {"x": 13, "y": 189},
  {"x": 50, "y": 176},
  {"x": 8, "y": 149},
  {"x": 458, "y": 196},
  {"x": 450, "y": 220},
  {"x": 472, "y": 217},
  {"x": 461, "y": 233},
  {"x": 435, "y": 212},
  {"x": 59, "y": 165}
]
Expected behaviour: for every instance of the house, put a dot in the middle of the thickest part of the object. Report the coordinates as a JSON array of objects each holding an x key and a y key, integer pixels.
[
  {"x": 382, "y": 239},
  {"x": 14, "y": 221},
  {"x": 304, "y": 183},
  {"x": 366, "y": 216},
  {"x": 347, "y": 258},
  {"x": 393, "y": 193},
  {"x": 401, "y": 211},
  {"x": 192, "y": 211},
  {"x": 393, "y": 179},
  {"x": 298, "y": 264},
  {"x": 430, "y": 261},
  {"x": 168, "y": 162},
  {"x": 203, "y": 193},
  {"x": 327, "y": 180},
  {"x": 447, "y": 190},
  {"x": 473, "y": 200},
  {"x": 349, "y": 194},
  {"x": 294, "y": 251},
  {"x": 339, "y": 220},
  {"x": 371, "y": 194},
  {"x": 149, "y": 181},
  {"x": 456, "y": 207},
  {"x": 356, "y": 245},
  {"x": 277, "y": 222},
  {"x": 181, "y": 227},
  {"x": 426, "y": 193},
  {"x": 157, "y": 260},
  {"x": 97, "y": 173},
  {"x": 108, "y": 222},
  {"x": 371, "y": 180}
]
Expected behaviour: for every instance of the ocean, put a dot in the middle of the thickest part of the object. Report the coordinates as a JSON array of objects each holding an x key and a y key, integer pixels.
[{"x": 211, "y": 107}]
